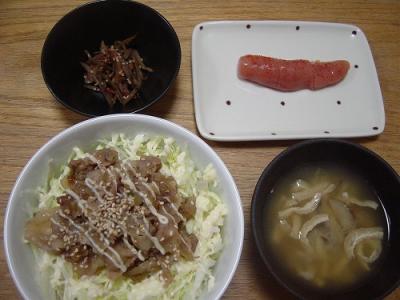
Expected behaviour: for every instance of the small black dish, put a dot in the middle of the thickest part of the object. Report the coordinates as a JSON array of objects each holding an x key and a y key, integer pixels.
[
  {"x": 378, "y": 173},
  {"x": 110, "y": 20}
]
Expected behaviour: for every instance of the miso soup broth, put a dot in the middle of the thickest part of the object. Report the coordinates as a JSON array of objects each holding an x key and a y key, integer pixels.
[{"x": 326, "y": 225}]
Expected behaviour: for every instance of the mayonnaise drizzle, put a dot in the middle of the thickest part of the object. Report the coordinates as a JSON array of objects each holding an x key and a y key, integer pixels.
[
  {"x": 133, "y": 249},
  {"x": 184, "y": 242},
  {"x": 147, "y": 186},
  {"x": 95, "y": 160},
  {"x": 117, "y": 262},
  {"x": 155, "y": 187},
  {"x": 91, "y": 185},
  {"x": 175, "y": 209},
  {"x": 161, "y": 218},
  {"x": 171, "y": 216},
  {"x": 83, "y": 206},
  {"x": 129, "y": 245},
  {"x": 58, "y": 224},
  {"x": 104, "y": 248},
  {"x": 78, "y": 200},
  {"x": 176, "y": 226},
  {"x": 143, "y": 181},
  {"x": 155, "y": 240},
  {"x": 113, "y": 177}
]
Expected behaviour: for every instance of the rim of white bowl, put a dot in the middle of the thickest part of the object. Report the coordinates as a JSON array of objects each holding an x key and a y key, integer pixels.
[{"x": 105, "y": 118}]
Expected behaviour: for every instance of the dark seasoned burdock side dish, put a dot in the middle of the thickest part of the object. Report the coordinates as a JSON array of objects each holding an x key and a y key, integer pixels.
[
  {"x": 122, "y": 216},
  {"x": 116, "y": 71}
]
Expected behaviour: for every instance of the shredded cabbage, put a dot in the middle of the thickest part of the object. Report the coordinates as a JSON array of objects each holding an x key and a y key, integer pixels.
[{"x": 191, "y": 278}]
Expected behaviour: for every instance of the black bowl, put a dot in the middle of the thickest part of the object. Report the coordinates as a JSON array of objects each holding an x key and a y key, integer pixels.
[
  {"x": 379, "y": 175},
  {"x": 84, "y": 28}
]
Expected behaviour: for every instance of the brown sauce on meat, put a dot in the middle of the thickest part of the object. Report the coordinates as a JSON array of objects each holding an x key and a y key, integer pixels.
[{"x": 122, "y": 216}]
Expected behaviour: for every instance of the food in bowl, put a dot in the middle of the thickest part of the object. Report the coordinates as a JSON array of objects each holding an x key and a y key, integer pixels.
[
  {"x": 134, "y": 218},
  {"x": 83, "y": 28},
  {"x": 326, "y": 225},
  {"x": 291, "y": 75},
  {"x": 116, "y": 71}
]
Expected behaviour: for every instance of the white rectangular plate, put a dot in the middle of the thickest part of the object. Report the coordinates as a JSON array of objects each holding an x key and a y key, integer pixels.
[{"x": 230, "y": 109}]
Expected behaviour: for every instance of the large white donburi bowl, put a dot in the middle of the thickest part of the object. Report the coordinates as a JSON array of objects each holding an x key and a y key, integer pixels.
[{"x": 19, "y": 255}]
